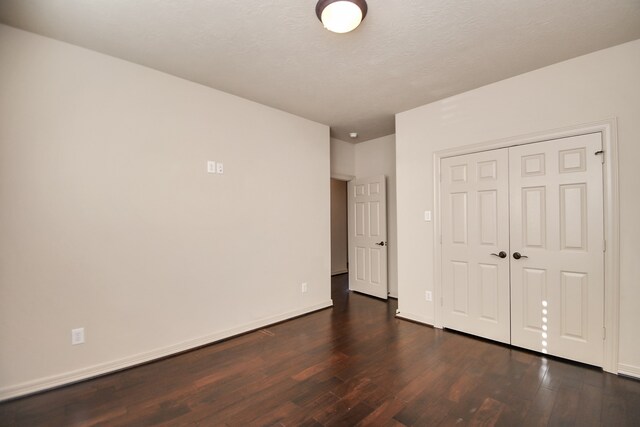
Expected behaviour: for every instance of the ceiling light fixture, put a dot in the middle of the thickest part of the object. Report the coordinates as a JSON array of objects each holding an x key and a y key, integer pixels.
[{"x": 341, "y": 16}]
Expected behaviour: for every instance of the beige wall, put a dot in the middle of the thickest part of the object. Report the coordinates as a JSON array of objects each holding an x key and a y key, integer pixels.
[
  {"x": 587, "y": 89},
  {"x": 378, "y": 157},
  {"x": 339, "y": 232},
  {"x": 343, "y": 159},
  {"x": 109, "y": 221}
]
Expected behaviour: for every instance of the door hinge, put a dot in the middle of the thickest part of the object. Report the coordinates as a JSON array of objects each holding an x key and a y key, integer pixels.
[
  {"x": 604, "y": 333},
  {"x": 441, "y": 239},
  {"x": 597, "y": 153},
  {"x": 604, "y": 246}
]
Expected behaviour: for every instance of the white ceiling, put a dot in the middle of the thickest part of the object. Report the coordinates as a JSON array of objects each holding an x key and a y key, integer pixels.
[{"x": 406, "y": 53}]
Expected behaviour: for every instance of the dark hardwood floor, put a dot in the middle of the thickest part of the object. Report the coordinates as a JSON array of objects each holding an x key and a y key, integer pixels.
[{"x": 354, "y": 364}]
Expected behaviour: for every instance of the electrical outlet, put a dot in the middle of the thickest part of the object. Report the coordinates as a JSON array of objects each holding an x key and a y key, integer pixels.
[
  {"x": 428, "y": 296},
  {"x": 305, "y": 287},
  {"x": 220, "y": 168},
  {"x": 77, "y": 336}
]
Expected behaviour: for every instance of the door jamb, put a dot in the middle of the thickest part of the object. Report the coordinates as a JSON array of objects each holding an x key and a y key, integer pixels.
[
  {"x": 611, "y": 205},
  {"x": 341, "y": 177},
  {"x": 345, "y": 179}
]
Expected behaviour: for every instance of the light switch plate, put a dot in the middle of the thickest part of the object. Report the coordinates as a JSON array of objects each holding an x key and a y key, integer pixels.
[
  {"x": 211, "y": 166},
  {"x": 77, "y": 336}
]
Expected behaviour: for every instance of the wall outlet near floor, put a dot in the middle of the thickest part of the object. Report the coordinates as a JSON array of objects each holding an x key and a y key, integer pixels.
[
  {"x": 428, "y": 296},
  {"x": 77, "y": 336},
  {"x": 304, "y": 287}
]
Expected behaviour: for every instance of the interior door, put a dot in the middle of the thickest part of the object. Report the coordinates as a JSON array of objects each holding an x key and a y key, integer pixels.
[
  {"x": 475, "y": 244},
  {"x": 557, "y": 243},
  {"x": 367, "y": 210}
]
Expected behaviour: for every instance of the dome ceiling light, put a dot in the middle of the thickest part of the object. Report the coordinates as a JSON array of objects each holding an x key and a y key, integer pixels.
[{"x": 341, "y": 16}]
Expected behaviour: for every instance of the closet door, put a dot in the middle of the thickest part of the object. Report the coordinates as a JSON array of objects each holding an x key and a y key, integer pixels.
[
  {"x": 475, "y": 244},
  {"x": 557, "y": 264}
]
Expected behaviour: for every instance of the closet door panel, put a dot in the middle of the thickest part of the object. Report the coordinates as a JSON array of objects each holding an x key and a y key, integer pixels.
[
  {"x": 556, "y": 217},
  {"x": 475, "y": 218}
]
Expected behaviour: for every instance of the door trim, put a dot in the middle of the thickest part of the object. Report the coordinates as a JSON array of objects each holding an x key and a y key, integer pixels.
[{"x": 611, "y": 203}]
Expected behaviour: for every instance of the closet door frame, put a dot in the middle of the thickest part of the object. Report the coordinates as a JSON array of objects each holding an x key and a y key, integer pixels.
[{"x": 608, "y": 130}]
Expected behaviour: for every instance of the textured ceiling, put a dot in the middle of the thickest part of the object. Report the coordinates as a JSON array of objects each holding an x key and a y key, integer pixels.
[{"x": 406, "y": 53}]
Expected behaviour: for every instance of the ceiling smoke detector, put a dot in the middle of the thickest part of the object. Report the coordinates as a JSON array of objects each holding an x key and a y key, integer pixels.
[{"x": 341, "y": 16}]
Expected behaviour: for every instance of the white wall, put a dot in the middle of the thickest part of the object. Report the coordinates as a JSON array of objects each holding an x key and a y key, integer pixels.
[
  {"x": 339, "y": 227},
  {"x": 378, "y": 157},
  {"x": 587, "y": 89},
  {"x": 343, "y": 159},
  {"x": 109, "y": 221}
]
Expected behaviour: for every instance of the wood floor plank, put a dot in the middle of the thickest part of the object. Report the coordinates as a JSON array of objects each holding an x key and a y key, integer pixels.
[
  {"x": 353, "y": 364},
  {"x": 565, "y": 407},
  {"x": 384, "y": 413},
  {"x": 589, "y": 406},
  {"x": 488, "y": 413}
]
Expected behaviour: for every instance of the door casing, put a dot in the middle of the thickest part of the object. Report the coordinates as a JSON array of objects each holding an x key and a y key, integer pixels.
[{"x": 608, "y": 129}]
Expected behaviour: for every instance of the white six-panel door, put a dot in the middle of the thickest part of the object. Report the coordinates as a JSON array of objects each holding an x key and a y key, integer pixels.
[
  {"x": 367, "y": 210},
  {"x": 557, "y": 285},
  {"x": 542, "y": 204},
  {"x": 475, "y": 243}
]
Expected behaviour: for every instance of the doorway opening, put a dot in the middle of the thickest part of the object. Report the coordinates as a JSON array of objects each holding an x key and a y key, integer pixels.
[{"x": 339, "y": 228}]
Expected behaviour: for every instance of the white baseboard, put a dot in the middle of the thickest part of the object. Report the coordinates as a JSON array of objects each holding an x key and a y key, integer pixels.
[
  {"x": 340, "y": 271},
  {"x": 629, "y": 370},
  {"x": 137, "y": 359},
  {"x": 415, "y": 318}
]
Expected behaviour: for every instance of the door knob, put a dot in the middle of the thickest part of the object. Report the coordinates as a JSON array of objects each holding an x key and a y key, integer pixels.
[
  {"x": 502, "y": 254},
  {"x": 381, "y": 243},
  {"x": 517, "y": 255}
]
